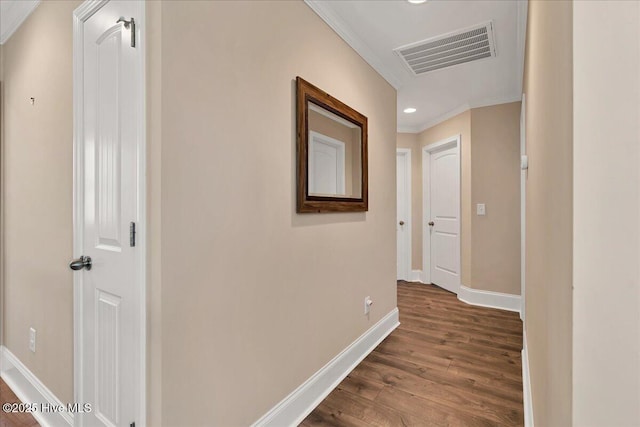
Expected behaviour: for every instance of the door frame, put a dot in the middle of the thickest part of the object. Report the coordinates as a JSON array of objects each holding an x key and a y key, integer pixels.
[
  {"x": 406, "y": 152},
  {"x": 80, "y": 15},
  {"x": 454, "y": 141},
  {"x": 523, "y": 204}
]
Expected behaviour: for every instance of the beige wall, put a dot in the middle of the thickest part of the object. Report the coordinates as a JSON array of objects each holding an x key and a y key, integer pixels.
[
  {"x": 495, "y": 181},
  {"x": 606, "y": 202},
  {"x": 490, "y": 245},
  {"x": 37, "y": 166},
  {"x": 256, "y": 298},
  {"x": 549, "y": 257},
  {"x": 242, "y": 280},
  {"x": 410, "y": 140}
]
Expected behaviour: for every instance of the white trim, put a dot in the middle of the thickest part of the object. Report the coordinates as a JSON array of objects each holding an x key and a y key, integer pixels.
[
  {"x": 526, "y": 383},
  {"x": 355, "y": 42},
  {"x": 29, "y": 389},
  {"x": 523, "y": 207},
  {"x": 14, "y": 15},
  {"x": 407, "y": 153},
  {"x": 297, "y": 405},
  {"x": 486, "y": 102},
  {"x": 435, "y": 121},
  {"x": 491, "y": 101},
  {"x": 522, "y": 10},
  {"x": 80, "y": 15},
  {"x": 452, "y": 141},
  {"x": 416, "y": 276},
  {"x": 489, "y": 299}
]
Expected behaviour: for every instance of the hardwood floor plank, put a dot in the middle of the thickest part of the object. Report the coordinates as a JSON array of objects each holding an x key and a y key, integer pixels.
[
  {"x": 361, "y": 386},
  {"x": 447, "y": 364},
  {"x": 370, "y": 412},
  {"x": 425, "y": 409},
  {"x": 325, "y": 415},
  {"x": 13, "y": 419},
  {"x": 450, "y": 349},
  {"x": 447, "y": 379}
]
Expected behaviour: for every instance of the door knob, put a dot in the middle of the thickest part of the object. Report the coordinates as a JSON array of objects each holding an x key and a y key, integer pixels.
[
  {"x": 401, "y": 223},
  {"x": 431, "y": 223},
  {"x": 80, "y": 263}
]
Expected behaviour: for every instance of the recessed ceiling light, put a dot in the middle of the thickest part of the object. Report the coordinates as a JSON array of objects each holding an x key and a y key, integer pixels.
[
  {"x": 416, "y": 1},
  {"x": 409, "y": 110}
]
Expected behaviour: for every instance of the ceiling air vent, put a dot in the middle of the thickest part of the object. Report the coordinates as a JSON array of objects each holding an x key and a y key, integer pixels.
[{"x": 469, "y": 44}]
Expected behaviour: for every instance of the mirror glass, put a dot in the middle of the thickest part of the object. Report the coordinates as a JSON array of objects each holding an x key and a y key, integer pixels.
[
  {"x": 331, "y": 153},
  {"x": 334, "y": 154}
]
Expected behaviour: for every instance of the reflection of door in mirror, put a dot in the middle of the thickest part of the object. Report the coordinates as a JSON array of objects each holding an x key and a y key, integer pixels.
[
  {"x": 326, "y": 165},
  {"x": 334, "y": 153}
]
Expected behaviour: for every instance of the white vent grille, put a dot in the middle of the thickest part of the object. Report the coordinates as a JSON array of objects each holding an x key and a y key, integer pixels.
[{"x": 469, "y": 44}]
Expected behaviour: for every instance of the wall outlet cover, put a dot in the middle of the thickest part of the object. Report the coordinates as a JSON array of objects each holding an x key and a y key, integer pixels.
[
  {"x": 368, "y": 302},
  {"x": 32, "y": 340}
]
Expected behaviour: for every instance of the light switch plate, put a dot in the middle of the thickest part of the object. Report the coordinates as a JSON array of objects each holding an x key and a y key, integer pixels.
[{"x": 481, "y": 209}]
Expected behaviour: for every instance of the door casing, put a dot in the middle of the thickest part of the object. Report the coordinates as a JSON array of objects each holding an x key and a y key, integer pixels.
[
  {"x": 80, "y": 16},
  {"x": 523, "y": 206},
  {"x": 454, "y": 141},
  {"x": 406, "y": 152}
]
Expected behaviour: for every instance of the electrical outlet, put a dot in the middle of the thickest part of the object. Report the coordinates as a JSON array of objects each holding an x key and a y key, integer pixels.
[
  {"x": 32, "y": 340},
  {"x": 481, "y": 209},
  {"x": 368, "y": 302}
]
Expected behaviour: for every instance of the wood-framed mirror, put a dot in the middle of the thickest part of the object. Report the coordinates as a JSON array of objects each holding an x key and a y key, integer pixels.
[{"x": 332, "y": 162}]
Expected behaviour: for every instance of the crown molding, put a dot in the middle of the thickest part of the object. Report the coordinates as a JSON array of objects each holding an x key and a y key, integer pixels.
[
  {"x": 408, "y": 129},
  {"x": 14, "y": 15},
  {"x": 446, "y": 116},
  {"x": 487, "y": 102},
  {"x": 356, "y": 43}
]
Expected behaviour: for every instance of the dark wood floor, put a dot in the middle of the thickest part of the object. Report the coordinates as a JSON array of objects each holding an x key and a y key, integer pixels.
[
  {"x": 447, "y": 364},
  {"x": 13, "y": 419}
]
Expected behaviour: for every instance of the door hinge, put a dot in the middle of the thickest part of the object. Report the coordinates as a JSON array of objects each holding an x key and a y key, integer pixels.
[{"x": 132, "y": 234}]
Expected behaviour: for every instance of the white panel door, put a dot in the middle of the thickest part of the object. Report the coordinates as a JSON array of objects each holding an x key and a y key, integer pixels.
[
  {"x": 403, "y": 231},
  {"x": 326, "y": 165},
  {"x": 111, "y": 289},
  {"x": 444, "y": 224}
]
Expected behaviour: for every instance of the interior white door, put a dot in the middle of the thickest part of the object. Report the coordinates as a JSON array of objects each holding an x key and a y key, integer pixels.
[
  {"x": 403, "y": 231},
  {"x": 111, "y": 358},
  {"x": 444, "y": 224},
  {"x": 326, "y": 165}
]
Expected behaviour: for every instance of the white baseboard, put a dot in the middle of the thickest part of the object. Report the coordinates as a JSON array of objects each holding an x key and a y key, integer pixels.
[
  {"x": 416, "y": 276},
  {"x": 29, "y": 389},
  {"x": 489, "y": 299},
  {"x": 526, "y": 384},
  {"x": 297, "y": 405}
]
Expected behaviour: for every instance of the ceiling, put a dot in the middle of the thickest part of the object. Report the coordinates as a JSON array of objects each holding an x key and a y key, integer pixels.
[
  {"x": 375, "y": 28},
  {"x": 12, "y": 14}
]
